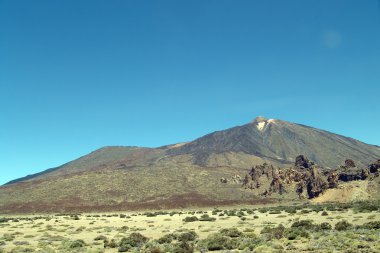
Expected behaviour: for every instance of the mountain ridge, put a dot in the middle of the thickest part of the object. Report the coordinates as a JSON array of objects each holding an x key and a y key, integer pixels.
[{"x": 178, "y": 148}]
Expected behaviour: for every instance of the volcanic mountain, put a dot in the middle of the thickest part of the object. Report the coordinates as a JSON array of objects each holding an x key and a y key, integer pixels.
[{"x": 184, "y": 174}]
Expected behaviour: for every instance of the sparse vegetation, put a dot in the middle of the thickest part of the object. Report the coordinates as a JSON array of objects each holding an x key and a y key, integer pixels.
[{"x": 292, "y": 230}]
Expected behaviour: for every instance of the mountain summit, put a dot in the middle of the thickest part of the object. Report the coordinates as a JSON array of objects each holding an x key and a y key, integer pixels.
[
  {"x": 279, "y": 141},
  {"x": 181, "y": 174}
]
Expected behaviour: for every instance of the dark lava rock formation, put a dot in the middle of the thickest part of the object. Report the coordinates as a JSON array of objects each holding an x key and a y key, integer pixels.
[{"x": 305, "y": 178}]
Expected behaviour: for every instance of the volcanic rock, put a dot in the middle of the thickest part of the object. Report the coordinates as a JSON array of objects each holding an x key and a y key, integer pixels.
[
  {"x": 349, "y": 163},
  {"x": 303, "y": 163},
  {"x": 374, "y": 167}
]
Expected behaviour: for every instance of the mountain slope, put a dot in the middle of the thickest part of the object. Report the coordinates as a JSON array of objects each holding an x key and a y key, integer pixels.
[
  {"x": 102, "y": 158},
  {"x": 179, "y": 175},
  {"x": 282, "y": 141}
]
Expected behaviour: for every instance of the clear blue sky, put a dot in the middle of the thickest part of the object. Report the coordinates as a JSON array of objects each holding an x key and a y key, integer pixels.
[{"x": 79, "y": 75}]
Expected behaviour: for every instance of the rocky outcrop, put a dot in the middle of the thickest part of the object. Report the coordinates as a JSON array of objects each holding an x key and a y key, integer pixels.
[
  {"x": 303, "y": 163},
  {"x": 333, "y": 179},
  {"x": 349, "y": 163},
  {"x": 351, "y": 172},
  {"x": 374, "y": 167},
  {"x": 305, "y": 178},
  {"x": 312, "y": 183},
  {"x": 316, "y": 183}
]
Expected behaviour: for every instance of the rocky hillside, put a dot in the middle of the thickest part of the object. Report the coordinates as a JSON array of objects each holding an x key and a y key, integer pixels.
[{"x": 195, "y": 173}]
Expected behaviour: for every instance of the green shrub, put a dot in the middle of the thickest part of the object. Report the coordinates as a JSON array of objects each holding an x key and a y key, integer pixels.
[
  {"x": 148, "y": 214},
  {"x": 110, "y": 244},
  {"x": 231, "y": 232},
  {"x": 263, "y": 210},
  {"x": 132, "y": 241},
  {"x": 290, "y": 210},
  {"x": 187, "y": 236},
  {"x": 324, "y": 213},
  {"x": 343, "y": 225},
  {"x": 154, "y": 250},
  {"x": 8, "y": 237},
  {"x": 367, "y": 206},
  {"x": 277, "y": 232},
  {"x": 317, "y": 209},
  {"x": 190, "y": 219},
  {"x": 296, "y": 232},
  {"x": 371, "y": 225},
  {"x": 124, "y": 248},
  {"x": 230, "y": 212},
  {"x": 248, "y": 243},
  {"x": 206, "y": 217},
  {"x": 77, "y": 244},
  {"x": 275, "y": 212},
  {"x": 2, "y": 220},
  {"x": 183, "y": 247},
  {"x": 325, "y": 226},
  {"x": 305, "y": 224},
  {"x": 168, "y": 238},
  {"x": 75, "y": 217},
  {"x": 219, "y": 242}
]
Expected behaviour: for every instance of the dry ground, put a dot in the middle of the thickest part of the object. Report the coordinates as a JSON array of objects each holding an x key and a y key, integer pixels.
[{"x": 53, "y": 233}]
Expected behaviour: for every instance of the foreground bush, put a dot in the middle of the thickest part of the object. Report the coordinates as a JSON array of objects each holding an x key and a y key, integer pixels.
[
  {"x": 295, "y": 233},
  {"x": 2, "y": 220},
  {"x": 187, "y": 236},
  {"x": 110, "y": 244},
  {"x": 77, "y": 244},
  {"x": 371, "y": 225},
  {"x": 168, "y": 238},
  {"x": 305, "y": 224},
  {"x": 134, "y": 240},
  {"x": 218, "y": 242},
  {"x": 231, "y": 232},
  {"x": 274, "y": 233},
  {"x": 325, "y": 226},
  {"x": 343, "y": 225},
  {"x": 183, "y": 247}
]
